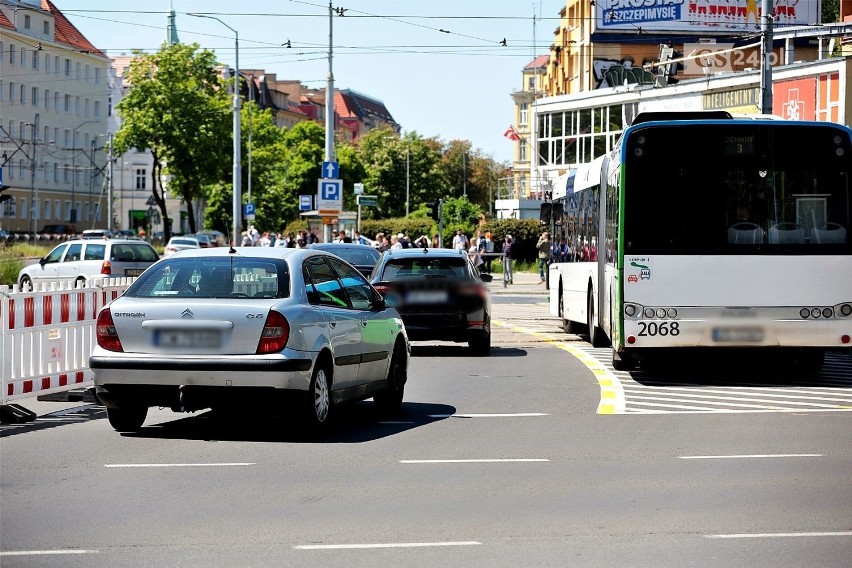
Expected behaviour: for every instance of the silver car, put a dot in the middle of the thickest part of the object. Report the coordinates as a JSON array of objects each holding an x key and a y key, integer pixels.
[
  {"x": 87, "y": 261},
  {"x": 248, "y": 326}
]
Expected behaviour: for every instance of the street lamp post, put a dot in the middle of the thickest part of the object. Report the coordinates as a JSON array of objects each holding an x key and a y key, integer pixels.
[{"x": 237, "y": 180}]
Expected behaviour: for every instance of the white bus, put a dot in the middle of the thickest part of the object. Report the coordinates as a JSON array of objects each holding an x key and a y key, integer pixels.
[{"x": 704, "y": 231}]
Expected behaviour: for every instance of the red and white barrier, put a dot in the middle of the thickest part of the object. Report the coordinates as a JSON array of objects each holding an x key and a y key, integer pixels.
[{"x": 47, "y": 336}]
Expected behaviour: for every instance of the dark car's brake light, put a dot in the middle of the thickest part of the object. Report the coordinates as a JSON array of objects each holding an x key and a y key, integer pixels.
[
  {"x": 383, "y": 289},
  {"x": 107, "y": 336},
  {"x": 106, "y": 267},
  {"x": 474, "y": 290},
  {"x": 276, "y": 332}
]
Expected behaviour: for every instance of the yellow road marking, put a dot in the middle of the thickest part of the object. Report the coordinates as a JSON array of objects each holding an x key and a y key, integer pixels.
[{"x": 610, "y": 386}]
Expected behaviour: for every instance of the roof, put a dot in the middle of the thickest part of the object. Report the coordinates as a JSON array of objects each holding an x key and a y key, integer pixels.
[
  {"x": 416, "y": 251},
  {"x": 67, "y": 34},
  {"x": 360, "y": 106},
  {"x": 538, "y": 62},
  {"x": 5, "y": 23}
]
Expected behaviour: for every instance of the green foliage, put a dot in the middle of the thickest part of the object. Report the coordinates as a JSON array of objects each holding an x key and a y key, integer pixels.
[
  {"x": 830, "y": 11},
  {"x": 178, "y": 109},
  {"x": 294, "y": 227},
  {"x": 525, "y": 232}
]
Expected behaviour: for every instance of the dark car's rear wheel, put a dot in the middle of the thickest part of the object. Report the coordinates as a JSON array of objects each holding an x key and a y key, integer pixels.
[
  {"x": 480, "y": 344},
  {"x": 127, "y": 418},
  {"x": 390, "y": 401}
]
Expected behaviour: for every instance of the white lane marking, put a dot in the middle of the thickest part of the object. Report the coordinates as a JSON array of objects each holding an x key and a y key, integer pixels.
[
  {"x": 697, "y": 410},
  {"x": 494, "y": 415},
  {"x": 175, "y": 464},
  {"x": 495, "y": 460},
  {"x": 749, "y": 456},
  {"x": 385, "y": 545},
  {"x": 45, "y": 552},
  {"x": 778, "y": 535},
  {"x": 698, "y": 395},
  {"x": 396, "y": 422}
]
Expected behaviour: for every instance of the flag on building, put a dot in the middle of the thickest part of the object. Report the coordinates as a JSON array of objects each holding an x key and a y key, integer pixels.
[{"x": 512, "y": 134}]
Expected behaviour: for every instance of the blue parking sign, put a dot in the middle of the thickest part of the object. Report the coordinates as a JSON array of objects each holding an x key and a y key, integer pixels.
[{"x": 330, "y": 189}]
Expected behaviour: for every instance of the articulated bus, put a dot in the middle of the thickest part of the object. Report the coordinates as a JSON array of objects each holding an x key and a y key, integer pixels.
[{"x": 702, "y": 231}]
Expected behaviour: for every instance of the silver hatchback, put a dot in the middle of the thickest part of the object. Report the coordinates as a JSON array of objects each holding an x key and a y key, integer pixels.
[{"x": 250, "y": 326}]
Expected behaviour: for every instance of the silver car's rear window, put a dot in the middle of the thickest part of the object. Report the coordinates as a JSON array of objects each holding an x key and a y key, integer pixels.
[{"x": 221, "y": 277}]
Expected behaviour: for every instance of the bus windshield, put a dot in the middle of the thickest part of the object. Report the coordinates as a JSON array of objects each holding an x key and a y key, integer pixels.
[{"x": 737, "y": 188}]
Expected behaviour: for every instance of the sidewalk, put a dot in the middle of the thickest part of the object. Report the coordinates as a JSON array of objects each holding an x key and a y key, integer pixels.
[{"x": 523, "y": 283}]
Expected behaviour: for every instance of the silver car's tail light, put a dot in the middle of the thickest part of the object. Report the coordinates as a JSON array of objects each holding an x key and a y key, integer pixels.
[
  {"x": 106, "y": 334},
  {"x": 276, "y": 332}
]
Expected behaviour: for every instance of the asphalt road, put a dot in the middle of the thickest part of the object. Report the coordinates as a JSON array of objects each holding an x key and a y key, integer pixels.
[{"x": 518, "y": 459}]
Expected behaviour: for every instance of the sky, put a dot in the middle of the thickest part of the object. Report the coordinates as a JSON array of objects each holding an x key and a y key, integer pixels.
[{"x": 437, "y": 65}]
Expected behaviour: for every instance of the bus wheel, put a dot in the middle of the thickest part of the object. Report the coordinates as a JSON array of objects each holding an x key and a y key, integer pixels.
[
  {"x": 596, "y": 336},
  {"x": 568, "y": 326}
]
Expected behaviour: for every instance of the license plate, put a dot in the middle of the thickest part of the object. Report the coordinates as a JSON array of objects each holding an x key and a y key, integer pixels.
[
  {"x": 190, "y": 338},
  {"x": 737, "y": 334},
  {"x": 427, "y": 297},
  {"x": 133, "y": 271}
]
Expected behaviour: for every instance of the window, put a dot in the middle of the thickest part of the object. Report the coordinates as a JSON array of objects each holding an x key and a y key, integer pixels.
[
  {"x": 12, "y": 91},
  {"x": 35, "y": 60},
  {"x": 67, "y": 139},
  {"x": 56, "y": 172},
  {"x": 66, "y": 174},
  {"x": 23, "y": 210},
  {"x": 67, "y": 67},
  {"x": 86, "y": 107},
  {"x": 86, "y": 73},
  {"x": 23, "y": 57},
  {"x": 77, "y": 68},
  {"x": 322, "y": 284},
  {"x": 56, "y": 64},
  {"x": 45, "y": 171},
  {"x": 360, "y": 293},
  {"x": 12, "y": 129},
  {"x": 77, "y": 105},
  {"x": 141, "y": 178},
  {"x": 23, "y": 93},
  {"x": 47, "y": 211},
  {"x": 27, "y": 21},
  {"x": 56, "y": 101},
  {"x": 524, "y": 117},
  {"x": 522, "y": 150},
  {"x": 11, "y": 53},
  {"x": 67, "y": 103},
  {"x": 46, "y": 102},
  {"x": 46, "y": 30},
  {"x": 46, "y": 138},
  {"x": 97, "y": 109},
  {"x": 34, "y": 96},
  {"x": 97, "y": 75},
  {"x": 46, "y": 60}
]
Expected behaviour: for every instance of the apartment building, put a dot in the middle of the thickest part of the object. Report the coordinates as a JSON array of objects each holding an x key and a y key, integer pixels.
[{"x": 54, "y": 107}]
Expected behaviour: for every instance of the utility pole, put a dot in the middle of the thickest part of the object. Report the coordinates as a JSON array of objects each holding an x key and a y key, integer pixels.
[
  {"x": 407, "y": 176},
  {"x": 329, "y": 92},
  {"x": 464, "y": 174},
  {"x": 110, "y": 189},
  {"x": 34, "y": 208},
  {"x": 766, "y": 57}
]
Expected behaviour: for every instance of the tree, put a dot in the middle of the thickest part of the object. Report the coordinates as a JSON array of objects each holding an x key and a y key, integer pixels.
[{"x": 178, "y": 109}]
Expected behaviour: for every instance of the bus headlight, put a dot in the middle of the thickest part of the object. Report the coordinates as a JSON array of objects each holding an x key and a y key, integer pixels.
[
  {"x": 661, "y": 313},
  {"x": 844, "y": 309},
  {"x": 804, "y": 312},
  {"x": 630, "y": 310},
  {"x": 815, "y": 313},
  {"x": 827, "y": 312},
  {"x": 648, "y": 313},
  {"x": 671, "y": 313}
]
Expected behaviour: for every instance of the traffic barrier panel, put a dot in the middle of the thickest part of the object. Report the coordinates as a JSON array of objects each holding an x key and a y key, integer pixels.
[{"x": 48, "y": 334}]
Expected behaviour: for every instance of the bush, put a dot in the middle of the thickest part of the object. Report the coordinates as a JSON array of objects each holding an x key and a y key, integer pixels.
[
  {"x": 525, "y": 232},
  {"x": 12, "y": 260}
]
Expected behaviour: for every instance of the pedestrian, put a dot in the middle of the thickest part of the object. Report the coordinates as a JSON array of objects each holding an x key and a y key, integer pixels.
[
  {"x": 344, "y": 238},
  {"x": 507, "y": 260},
  {"x": 436, "y": 241},
  {"x": 246, "y": 241},
  {"x": 488, "y": 250},
  {"x": 543, "y": 248},
  {"x": 473, "y": 252},
  {"x": 358, "y": 239},
  {"x": 395, "y": 244},
  {"x": 460, "y": 241},
  {"x": 312, "y": 238}
]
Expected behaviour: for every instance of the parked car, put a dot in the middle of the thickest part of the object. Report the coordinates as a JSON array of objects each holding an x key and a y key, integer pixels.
[
  {"x": 252, "y": 328},
  {"x": 180, "y": 243},
  {"x": 96, "y": 234},
  {"x": 85, "y": 261},
  {"x": 125, "y": 234},
  {"x": 439, "y": 294},
  {"x": 216, "y": 238},
  {"x": 203, "y": 240},
  {"x": 362, "y": 257}
]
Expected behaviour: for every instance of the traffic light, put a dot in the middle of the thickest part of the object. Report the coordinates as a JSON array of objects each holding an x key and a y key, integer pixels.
[{"x": 434, "y": 209}]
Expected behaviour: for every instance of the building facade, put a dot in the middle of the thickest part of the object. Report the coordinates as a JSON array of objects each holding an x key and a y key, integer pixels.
[{"x": 54, "y": 96}]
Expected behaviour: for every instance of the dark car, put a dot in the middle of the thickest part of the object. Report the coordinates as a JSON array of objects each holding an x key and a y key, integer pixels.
[
  {"x": 362, "y": 257},
  {"x": 439, "y": 294}
]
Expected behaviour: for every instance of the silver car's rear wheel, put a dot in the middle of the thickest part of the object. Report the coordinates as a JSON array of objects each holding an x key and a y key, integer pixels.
[
  {"x": 127, "y": 418},
  {"x": 320, "y": 395}
]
